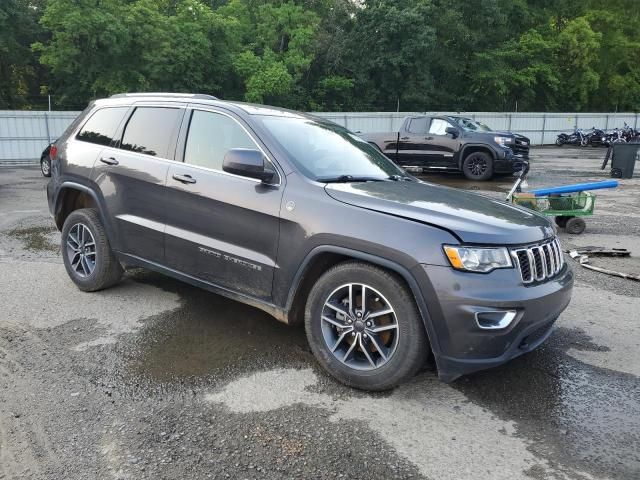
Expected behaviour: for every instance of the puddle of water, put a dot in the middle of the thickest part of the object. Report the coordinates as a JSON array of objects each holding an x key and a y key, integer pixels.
[
  {"x": 36, "y": 238},
  {"x": 576, "y": 413},
  {"x": 211, "y": 336}
]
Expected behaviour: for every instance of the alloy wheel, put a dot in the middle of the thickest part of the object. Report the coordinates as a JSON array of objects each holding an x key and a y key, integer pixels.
[
  {"x": 477, "y": 166},
  {"x": 46, "y": 167},
  {"x": 81, "y": 250},
  {"x": 359, "y": 326}
]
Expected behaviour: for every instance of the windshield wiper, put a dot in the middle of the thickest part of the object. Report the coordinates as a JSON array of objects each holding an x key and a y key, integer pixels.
[
  {"x": 397, "y": 178},
  {"x": 349, "y": 179}
]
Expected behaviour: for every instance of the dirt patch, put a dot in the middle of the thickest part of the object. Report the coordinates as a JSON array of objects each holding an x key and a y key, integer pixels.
[{"x": 35, "y": 238}]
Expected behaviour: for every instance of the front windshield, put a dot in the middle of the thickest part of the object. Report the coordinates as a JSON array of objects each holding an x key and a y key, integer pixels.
[
  {"x": 325, "y": 151},
  {"x": 472, "y": 125}
]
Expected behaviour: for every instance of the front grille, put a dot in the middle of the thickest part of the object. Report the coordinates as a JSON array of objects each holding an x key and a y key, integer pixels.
[
  {"x": 539, "y": 262},
  {"x": 521, "y": 147}
]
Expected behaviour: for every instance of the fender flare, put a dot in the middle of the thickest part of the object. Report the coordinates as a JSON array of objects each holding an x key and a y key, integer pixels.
[
  {"x": 98, "y": 200},
  {"x": 404, "y": 272},
  {"x": 484, "y": 146}
]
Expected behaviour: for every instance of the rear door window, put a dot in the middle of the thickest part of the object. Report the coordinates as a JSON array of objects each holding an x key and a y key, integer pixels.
[
  {"x": 102, "y": 126},
  {"x": 418, "y": 125},
  {"x": 150, "y": 130}
]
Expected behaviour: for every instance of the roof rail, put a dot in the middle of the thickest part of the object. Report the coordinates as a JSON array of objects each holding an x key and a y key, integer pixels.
[{"x": 200, "y": 96}]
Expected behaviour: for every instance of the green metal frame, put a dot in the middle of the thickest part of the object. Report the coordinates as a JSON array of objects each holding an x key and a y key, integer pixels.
[{"x": 573, "y": 205}]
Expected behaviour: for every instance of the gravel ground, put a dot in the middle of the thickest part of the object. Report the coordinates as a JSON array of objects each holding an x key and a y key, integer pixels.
[{"x": 157, "y": 379}]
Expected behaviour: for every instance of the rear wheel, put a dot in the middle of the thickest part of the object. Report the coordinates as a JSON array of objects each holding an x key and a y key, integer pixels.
[
  {"x": 45, "y": 166},
  {"x": 86, "y": 252},
  {"x": 364, "y": 328},
  {"x": 478, "y": 166},
  {"x": 559, "y": 141}
]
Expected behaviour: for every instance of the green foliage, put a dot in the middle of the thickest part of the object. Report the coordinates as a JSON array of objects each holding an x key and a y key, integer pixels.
[{"x": 540, "y": 55}]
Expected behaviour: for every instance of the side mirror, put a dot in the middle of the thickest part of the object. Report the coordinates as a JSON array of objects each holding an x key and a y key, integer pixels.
[
  {"x": 247, "y": 163},
  {"x": 453, "y": 131}
]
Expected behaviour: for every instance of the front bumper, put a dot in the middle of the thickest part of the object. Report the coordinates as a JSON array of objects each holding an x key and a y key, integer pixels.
[
  {"x": 453, "y": 298},
  {"x": 509, "y": 162}
]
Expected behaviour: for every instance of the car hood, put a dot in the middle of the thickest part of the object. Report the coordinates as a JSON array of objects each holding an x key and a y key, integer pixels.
[{"x": 471, "y": 217}]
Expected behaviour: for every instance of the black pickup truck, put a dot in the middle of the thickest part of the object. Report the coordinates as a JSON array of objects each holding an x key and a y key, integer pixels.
[{"x": 452, "y": 143}]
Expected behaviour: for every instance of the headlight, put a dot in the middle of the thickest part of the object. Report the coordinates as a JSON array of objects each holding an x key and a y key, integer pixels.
[
  {"x": 503, "y": 140},
  {"x": 476, "y": 259}
]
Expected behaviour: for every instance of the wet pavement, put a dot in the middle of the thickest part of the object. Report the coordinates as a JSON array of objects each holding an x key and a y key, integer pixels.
[{"x": 157, "y": 379}]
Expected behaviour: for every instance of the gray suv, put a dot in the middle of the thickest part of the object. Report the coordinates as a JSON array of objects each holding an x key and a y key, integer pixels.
[{"x": 303, "y": 219}]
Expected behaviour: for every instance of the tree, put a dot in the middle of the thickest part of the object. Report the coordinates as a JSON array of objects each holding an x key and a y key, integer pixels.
[
  {"x": 391, "y": 46},
  {"x": 578, "y": 52},
  {"x": 18, "y": 68}
]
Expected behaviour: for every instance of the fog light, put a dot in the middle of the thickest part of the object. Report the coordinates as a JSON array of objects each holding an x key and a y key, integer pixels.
[{"x": 495, "y": 320}]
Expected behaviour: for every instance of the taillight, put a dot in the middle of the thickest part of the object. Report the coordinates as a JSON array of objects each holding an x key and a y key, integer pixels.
[{"x": 53, "y": 152}]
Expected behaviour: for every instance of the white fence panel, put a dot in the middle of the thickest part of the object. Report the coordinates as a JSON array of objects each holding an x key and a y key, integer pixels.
[{"x": 24, "y": 134}]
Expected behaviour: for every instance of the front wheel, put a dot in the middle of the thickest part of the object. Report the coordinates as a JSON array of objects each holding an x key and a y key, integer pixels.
[
  {"x": 562, "y": 221},
  {"x": 478, "y": 166},
  {"x": 364, "y": 328},
  {"x": 575, "y": 226}
]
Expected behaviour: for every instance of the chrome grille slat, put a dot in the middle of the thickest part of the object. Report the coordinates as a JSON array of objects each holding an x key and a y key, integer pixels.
[
  {"x": 539, "y": 262},
  {"x": 552, "y": 259}
]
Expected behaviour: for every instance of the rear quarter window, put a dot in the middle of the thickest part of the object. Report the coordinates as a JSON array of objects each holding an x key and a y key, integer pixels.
[{"x": 102, "y": 125}]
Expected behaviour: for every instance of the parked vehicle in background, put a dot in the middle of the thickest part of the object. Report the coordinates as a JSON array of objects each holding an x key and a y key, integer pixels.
[
  {"x": 596, "y": 137},
  {"x": 578, "y": 137},
  {"x": 452, "y": 143},
  {"x": 303, "y": 219},
  {"x": 629, "y": 133},
  {"x": 45, "y": 161}
]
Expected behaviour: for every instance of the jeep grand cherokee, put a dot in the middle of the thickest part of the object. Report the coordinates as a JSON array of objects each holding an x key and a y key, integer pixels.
[{"x": 301, "y": 218}]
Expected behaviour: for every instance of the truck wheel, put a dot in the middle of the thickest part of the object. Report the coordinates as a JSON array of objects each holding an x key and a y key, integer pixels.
[
  {"x": 575, "y": 226},
  {"x": 86, "y": 252},
  {"x": 478, "y": 166},
  {"x": 364, "y": 328}
]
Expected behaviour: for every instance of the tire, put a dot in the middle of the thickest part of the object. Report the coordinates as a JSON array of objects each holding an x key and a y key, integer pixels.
[
  {"x": 45, "y": 167},
  {"x": 575, "y": 226},
  {"x": 478, "y": 166},
  {"x": 403, "y": 341},
  {"x": 559, "y": 141},
  {"x": 562, "y": 221},
  {"x": 105, "y": 270}
]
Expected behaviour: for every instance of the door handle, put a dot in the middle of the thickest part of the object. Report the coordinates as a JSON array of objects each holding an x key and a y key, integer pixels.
[
  {"x": 184, "y": 178},
  {"x": 109, "y": 161},
  {"x": 404, "y": 138},
  {"x": 428, "y": 138}
]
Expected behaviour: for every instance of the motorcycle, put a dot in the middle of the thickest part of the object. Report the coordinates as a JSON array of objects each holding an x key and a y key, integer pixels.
[
  {"x": 629, "y": 133},
  {"x": 615, "y": 136},
  {"x": 596, "y": 137},
  {"x": 578, "y": 137}
]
